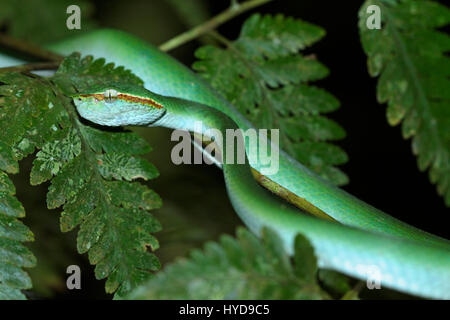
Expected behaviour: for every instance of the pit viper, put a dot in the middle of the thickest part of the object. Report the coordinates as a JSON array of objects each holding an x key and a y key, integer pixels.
[{"x": 359, "y": 240}]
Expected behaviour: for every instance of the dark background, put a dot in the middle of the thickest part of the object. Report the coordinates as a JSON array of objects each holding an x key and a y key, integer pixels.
[{"x": 382, "y": 168}]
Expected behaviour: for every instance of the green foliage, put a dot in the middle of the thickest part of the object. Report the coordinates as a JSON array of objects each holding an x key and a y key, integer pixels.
[
  {"x": 29, "y": 115},
  {"x": 335, "y": 283},
  {"x": 13, "y": 254},
  {"x": 87, "y": 73},
  {"x": 267, "y": 79},
  {"x": 242, "y": 268},
  {"x": 42, "y": 21},
  {"x": 89, "y": 170},
  {"x": 409, "y": 56}
]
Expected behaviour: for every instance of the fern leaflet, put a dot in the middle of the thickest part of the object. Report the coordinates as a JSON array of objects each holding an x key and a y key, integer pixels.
[
  {"x": 409, "y": 56},
  {"x": 266, "y": 78},
  {"x": 242, "y": 268}
]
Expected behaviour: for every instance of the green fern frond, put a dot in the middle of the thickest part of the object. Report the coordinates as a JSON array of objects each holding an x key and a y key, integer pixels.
[
  {"x": 90, "y": 169},
  {"x": 29, "y": 115},
  {"x": 87, "y": 72},
  {"x": 242, "y": 268},
  {"x": 409, "y": 56},
  {"x": 267, "y": 79},
  {"x": 13, "y": 254}
]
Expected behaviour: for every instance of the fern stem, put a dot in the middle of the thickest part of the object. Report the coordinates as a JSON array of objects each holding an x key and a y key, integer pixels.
[
  {"x": 29, "y": 49},
  {"x": 24, "y": 68},
  {"x": 234, "y": 10}
]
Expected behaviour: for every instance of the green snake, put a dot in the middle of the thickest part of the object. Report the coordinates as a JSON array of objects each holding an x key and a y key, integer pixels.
[{"x": 360, "y": 238}]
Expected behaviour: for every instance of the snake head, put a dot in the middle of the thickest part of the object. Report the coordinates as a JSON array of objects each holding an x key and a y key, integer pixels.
[{"x": 119, "y": 105}]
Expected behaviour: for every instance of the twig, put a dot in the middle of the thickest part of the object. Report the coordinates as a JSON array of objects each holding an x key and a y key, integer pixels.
[
  {"x": 28, "y": 48},
  {"x": 353, "y": 293},
  {"x": 32, "y": 66},
  {"x": 234, "y": 10}
]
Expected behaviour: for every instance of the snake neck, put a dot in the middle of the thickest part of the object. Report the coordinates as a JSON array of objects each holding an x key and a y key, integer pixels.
[{"x": 195, "y": 117}]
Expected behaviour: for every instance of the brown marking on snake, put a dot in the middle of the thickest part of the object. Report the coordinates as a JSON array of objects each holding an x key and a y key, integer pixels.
[
  {"x": 290, "y": 197},
  {"x": 126, "y": 97},
  {"x": 282, "y": 192}
]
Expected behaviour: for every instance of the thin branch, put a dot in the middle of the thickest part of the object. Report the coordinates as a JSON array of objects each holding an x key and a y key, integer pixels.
[
  {"x": 354, "y": 293},
  {"x": 29, "y": 49},
  {"x": 234, "y": 10},
  {"x": 52, "y": 65}
]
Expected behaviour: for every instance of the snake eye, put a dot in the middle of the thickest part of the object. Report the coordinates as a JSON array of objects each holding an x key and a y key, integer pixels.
[{"x": 110, "y": 95}]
